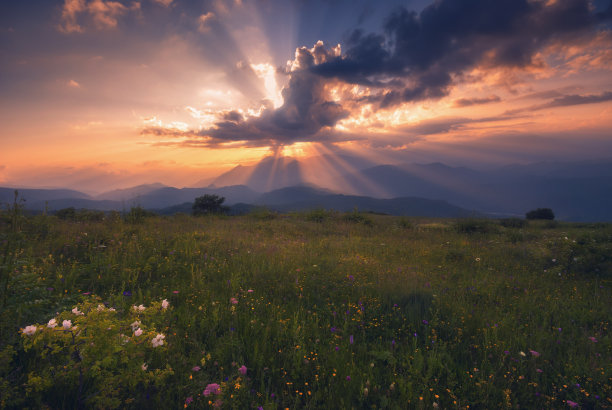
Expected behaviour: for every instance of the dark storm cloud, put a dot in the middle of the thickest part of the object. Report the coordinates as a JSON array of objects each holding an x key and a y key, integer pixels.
[
  {"x": 428, "y": 50},
  {"x": 418, "y": 56}
]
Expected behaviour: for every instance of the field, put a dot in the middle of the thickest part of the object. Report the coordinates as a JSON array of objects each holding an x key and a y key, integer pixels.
[{"x": 309, "y": 310}]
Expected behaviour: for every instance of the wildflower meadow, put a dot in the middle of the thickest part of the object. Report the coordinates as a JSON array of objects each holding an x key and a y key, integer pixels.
[{"x": 308, "y": 310}]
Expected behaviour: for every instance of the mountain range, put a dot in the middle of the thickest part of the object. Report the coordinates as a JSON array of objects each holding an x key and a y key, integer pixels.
[{"x": 576, "y": 191}]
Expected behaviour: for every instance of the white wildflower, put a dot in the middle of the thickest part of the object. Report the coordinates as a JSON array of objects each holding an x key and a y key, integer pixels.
[
  {"x": 165, "y": 304},
  {"x": 100, "y": 308},
  {"x": 135, "y": 325},
  {"x": 29, "y": 330},
  {"x": 158, "y": 340},
  {"x": 52, "y": 323},
  {"x": 140, "y": 308},
  {"x": 77, "y": 312}
]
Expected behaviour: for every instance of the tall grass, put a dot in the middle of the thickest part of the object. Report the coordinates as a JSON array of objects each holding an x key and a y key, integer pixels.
[{"x": 333, "y": 310}]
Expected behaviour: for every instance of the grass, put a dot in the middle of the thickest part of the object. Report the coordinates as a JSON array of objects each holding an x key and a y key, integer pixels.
[{"x": 333, "y": 310}]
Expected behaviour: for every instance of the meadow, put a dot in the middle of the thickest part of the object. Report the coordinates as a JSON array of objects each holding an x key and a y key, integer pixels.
[{"x": 308, "y": 310}]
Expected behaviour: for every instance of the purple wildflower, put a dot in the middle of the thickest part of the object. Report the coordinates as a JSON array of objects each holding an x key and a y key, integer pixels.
[
  {"x": 212, "y": 388},
  {"x": 351, "y": 340}
]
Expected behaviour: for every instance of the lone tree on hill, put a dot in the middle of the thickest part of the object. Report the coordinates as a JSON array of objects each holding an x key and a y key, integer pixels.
[
  {"x": 209, "y": 204},
  {"x": 540, "y": 213}
]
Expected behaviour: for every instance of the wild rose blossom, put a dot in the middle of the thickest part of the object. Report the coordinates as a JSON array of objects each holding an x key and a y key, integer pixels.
[
  {"x": 52, "y": 323},
  {"x": 165, "y": 304},
  {"x": 138, "y": 332},
  {"x": 77, "y": 312},
  {"x": 67, "y": 324},
  {"x": 158, "y": 340},
  {"x": 135, "y": 325},
  {"x": 242, "y": 370},
  {"x": 140, "y": 308},
  {"x": 29, "y": 330}
]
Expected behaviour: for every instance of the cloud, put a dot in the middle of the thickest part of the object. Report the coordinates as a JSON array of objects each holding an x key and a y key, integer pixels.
[
  {"x": 203, "y": 21},
  {"x": 566, "y": 101},
  {"x": 70, "y": 12},
  {"x": 307, "y": 112},
  {"x": 164, "y": 3},
  {"x": 103, "y": 14},
  {"x": 73, "y": 84},
  {"x": 429, "y": 51},
  {"x": 418, "y": 56},
  {"x": 576, "y": 99},
  {"x": 466, "y": 102}
]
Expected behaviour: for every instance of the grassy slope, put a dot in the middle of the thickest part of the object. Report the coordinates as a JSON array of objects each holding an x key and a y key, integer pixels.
[{"x": 439, "y": 311}]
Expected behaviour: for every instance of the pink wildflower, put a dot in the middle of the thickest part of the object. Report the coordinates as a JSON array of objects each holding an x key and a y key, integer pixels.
[
  {"x": 212, "y": 388},
  {"x": 534, "y": 353},
  {"x": 592, "y": 339},
  {"x": 196, "y": 368},
  {"x": 29, "y": 330},
  {"x": 234, "y": 301},
  {"x": 572, "y": 403},
  {"x": 243, "y": 370}
]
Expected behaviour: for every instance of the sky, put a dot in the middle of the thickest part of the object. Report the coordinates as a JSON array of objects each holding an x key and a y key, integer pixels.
[{"x": 101, "y": 94}]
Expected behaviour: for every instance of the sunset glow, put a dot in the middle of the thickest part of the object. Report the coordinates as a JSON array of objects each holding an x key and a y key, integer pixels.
[{"x": 101, "y": 94}]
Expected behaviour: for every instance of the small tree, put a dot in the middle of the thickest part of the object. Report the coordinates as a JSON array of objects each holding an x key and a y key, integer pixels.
[
  {"x": 540, "y": 213},
  {"x": 209, "y": 204}
]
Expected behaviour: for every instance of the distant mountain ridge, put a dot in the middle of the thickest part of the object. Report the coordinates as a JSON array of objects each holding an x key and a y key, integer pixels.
[{"x": 577, "y": 191}]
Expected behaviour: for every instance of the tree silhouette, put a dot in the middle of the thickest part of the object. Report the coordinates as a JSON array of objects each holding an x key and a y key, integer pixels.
[
  {"x": 209, "y": 204},
  {"x": 540, "y": 213}
]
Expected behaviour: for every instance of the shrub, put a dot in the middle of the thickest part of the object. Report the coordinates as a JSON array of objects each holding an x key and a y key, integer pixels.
[
  {"x": 318, "y": 215},
  {"x": 513, "y": 223},
  {"x": 137, "y": 214},
  {"x": 66, "y": 213},
  {"x": 540, "y": 213},
  {"x": 96, "y": 356},
  {"x": 473, "y": 226},
  {"x": 358, "y": 217}
]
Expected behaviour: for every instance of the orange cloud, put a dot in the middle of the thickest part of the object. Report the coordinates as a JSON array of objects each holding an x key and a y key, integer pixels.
[{"x": 104, "y": 14}]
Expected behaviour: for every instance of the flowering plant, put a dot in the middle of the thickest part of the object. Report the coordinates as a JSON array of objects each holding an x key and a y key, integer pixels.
[{"x": 96, "y": 354}]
